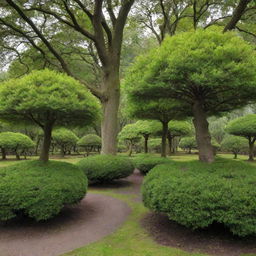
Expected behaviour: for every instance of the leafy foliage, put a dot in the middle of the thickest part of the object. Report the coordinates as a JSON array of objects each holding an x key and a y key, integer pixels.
[
  {"x": 90, "y": 142},
  {"x": 188, "y": 143},
  {"x": 17, "y": 142},
  {"x": 64, "y": 138},
  {"x": 197, "y": 194},
  {"x": 145, "y": 163},
  {"x": 105, "y": 168},
  {"x": 39, "y": 190},
  {"x": 234, "y": 144}
]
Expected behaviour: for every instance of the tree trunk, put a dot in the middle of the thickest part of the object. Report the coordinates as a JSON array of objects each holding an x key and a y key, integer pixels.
[
  {"x": 169, "y": 137},
  {"x": 146, "y": 143},
  {"x": 44, "y": 155},
  {"x": 251, "y": 149},
  {"x": 235, "y": 155},
  {"x": 164, "y": 137},
  {"x": 203, "y": 137},
  {"x": 130, "y": 150},
  {"x": 17, "y": 155},
  {"x": 3, "y": 154},
  {"x": 109, "y": 125},
  {"x": 62, "y": 152},
  {"x": 189, "y": 150}
]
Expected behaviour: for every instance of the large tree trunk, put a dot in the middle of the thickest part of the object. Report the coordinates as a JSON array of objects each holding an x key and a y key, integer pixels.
[
  {"x": 251, "y": 149},
  {"x": 109, "y": 125},
  {"x": 203, "y": 137},
  {"x": 164, "y": 138},
  {"x": 44, "y": 155},
  {"x": 146, "y": 143}
]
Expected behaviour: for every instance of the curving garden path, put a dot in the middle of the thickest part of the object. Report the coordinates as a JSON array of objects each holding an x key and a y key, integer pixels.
[{"x": 95, "y": 217}]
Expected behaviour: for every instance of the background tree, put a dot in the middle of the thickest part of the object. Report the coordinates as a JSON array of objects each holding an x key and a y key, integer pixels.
[
  {"x": 65, "y": 139},
  {"x": 234, "y": 144},
  {"x": 188, "y": 143},
  {"x": 16, "y": 142},
  {"x": 245, "y": 127},
  {"x": 47, "y": 98},
  {"x": 146, "y": 128},
  {"x": 130, "y": 135},
  {"x": 155, "y": 144},
  {"x": 90, "y": 142},
  {"x": 99, "y": 23},
  {"x": 209, "y": 78}
]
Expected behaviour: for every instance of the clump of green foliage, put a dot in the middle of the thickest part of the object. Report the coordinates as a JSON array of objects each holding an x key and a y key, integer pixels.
[
  {"x": 197, "y": 194},
  {"x": 244, "y": 126},
  {"x": 234, "y": 144},
  {"x": 105, "y": 168},
  {"x": 90, "y": 142},
  {"x": 147, "y": 162},
  {"x": 65, "y": 139},
  {"x": 39, "y": 190},
  {"x": 17, "y": 142},
  {"x": 188, "y": 143}
]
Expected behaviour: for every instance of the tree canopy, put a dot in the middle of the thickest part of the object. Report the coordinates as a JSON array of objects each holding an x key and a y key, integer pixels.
[
  {"x": 208, "y": 72},
  {"x": 47, "y": 98},
  {"x": 244, "y": 126}
]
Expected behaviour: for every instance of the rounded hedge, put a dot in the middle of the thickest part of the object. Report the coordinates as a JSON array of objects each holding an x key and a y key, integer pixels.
[
  {"x": 197, "y": 194},
  {"x": 39, "y": 190},
  {"x": 145, "y": 163},
  {"x": 105, "y": 168},
  {"x": 89, "y": 140}
]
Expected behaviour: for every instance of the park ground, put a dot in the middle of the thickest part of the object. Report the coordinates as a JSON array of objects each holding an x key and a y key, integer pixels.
[{"x": 146, "y": 234}]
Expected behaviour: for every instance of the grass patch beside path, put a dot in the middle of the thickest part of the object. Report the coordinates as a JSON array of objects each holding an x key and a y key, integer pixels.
[{"x": 129, "y": 240}]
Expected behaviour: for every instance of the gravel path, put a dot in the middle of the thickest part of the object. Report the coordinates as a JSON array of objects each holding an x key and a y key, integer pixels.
[{"x": 95, "y": 217}]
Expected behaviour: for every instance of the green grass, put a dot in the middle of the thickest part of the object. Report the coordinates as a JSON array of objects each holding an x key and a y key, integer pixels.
[{"x": 131, "y": 239}]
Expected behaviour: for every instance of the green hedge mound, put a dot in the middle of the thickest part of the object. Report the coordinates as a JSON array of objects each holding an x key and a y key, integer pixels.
[
  {"x": 197, "y": 194},
  {"x": 39, "y": 190},
  {"x": 145, "y": 163},
  {"x": 105, "y": 168}
]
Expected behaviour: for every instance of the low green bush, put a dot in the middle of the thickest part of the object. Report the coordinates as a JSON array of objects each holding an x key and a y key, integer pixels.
[
  {"x": 147, "y": 162},
  {"x": 197, "y": 194},
  {"x": 39, "y": 190},
  {"x": 105, "y": 168}
]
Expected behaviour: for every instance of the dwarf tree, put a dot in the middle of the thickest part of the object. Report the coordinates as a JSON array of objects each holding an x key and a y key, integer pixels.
[
  {"x": 65, "y": 139},
  {"x": 209, "y": 72},
  {"x": 188, "y": 143},
  {"x": 244, "y": 126},
  {"x": 130, "y": 135},
  {"x": 90, "y": 142},
  {"x": 234, "y": 144},
  {"x": 17, "y": 142},
  {"x": 47, "y": 98}
]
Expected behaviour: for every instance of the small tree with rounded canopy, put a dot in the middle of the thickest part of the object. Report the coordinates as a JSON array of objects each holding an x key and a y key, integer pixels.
[
  {"x": 244, "y": 126},
  {"x": 147, "y": 128},
  {"x": 17, "y": 142},
  {"x": 130, "y": 135},
  {"x": 188, "y": 143},
  {"x": 154, "y": 144},
  {"x": 90, "y": 142},
  {"x": 47, "y": 98},
  {"x": 65, "y": 139},
  {"x": 208, "y": 71},
  {"x": 234, "y": 144}
]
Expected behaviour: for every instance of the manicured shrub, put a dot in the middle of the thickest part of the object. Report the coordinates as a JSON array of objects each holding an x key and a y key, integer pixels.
[
  {"x": 39, "y": 190},
  {"x": 197, "y": 194},
  {"x": 65, "y": 139},
  {"x": 104, "y": 168},
  {"x": 14, "y": 141},
  {"x": 188, "y": 143},
  {"x": 90, "y": 142},
  {"x": 145, "y": 163}
]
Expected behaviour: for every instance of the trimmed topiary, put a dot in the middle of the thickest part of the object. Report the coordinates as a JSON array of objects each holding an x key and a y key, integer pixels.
[
  {"x": 105, "y": 168},
  {"x": 145, "y": 163},
  {"x": 90, "y": 142},
  {"x": 39, "y": 190},
  {"x": 197, "y": 194}
]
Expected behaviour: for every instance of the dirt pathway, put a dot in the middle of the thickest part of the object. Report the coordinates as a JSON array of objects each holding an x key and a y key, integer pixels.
[{"x": 95, "y": 217}]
